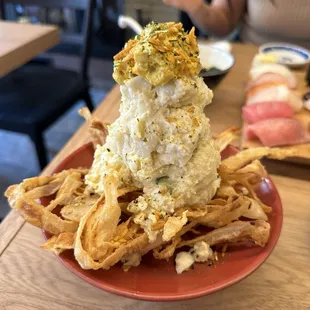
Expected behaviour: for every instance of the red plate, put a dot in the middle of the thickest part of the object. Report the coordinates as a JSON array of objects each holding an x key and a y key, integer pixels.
[{"x": 157, "y": 280}]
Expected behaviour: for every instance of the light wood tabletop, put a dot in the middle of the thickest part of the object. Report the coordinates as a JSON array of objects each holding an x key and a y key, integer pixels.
[
  {"x": 34, "y": 279},
  {"x": 19, "y": 43}
]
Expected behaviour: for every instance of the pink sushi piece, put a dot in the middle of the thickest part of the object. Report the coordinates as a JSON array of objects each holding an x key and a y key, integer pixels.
[
  {"x": 264, "y": 110},
  {"x": 277, "y": 132},
  {"x": 258, "y": 71},
  {"x": 268, "y": 77},
  {"x": 276, "y": 93}
]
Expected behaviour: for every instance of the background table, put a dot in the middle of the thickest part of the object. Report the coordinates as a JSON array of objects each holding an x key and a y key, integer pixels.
[
  {"x": 31, "y": 278},
  {"x": 19, "y": 43}
]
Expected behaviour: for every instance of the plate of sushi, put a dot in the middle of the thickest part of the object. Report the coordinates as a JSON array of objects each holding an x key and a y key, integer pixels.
[{"x": 276, "y": 112}]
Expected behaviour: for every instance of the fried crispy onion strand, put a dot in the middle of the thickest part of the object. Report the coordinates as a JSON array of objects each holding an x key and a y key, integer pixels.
[
  {"x": 97, "y": 128},
  {"x": 226, "y": 137},
  {"x": 24, "y": 198}
]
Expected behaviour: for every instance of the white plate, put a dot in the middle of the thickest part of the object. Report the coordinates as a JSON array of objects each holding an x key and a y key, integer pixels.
[
  {"x": 214, "y": 57},
  {"x": 290, "y": 55}
]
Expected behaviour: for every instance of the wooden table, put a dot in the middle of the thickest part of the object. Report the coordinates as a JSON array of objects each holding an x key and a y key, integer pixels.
[
  {"x": 19, "y": 43},
  {"x": 34, "y": 279}
]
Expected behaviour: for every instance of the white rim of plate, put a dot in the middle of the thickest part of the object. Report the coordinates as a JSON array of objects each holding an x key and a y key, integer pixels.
[
  {"x": 220, "y": 51},
  {"x": 296, "y": 49}
]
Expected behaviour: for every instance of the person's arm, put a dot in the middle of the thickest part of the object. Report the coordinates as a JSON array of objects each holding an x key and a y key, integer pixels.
[{"x": 219, "y": 18}]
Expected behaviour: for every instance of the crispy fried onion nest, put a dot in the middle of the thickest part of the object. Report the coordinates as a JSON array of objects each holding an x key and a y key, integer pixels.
[{"x": 101, "y": 231}]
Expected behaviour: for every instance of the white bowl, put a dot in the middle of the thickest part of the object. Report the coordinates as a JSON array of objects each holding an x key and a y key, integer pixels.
[
  {"x": 214, "y": 57},
  {"x": 290, "y": 55}
]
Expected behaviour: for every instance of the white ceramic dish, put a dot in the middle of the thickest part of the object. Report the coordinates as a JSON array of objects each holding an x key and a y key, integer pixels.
[
  {"x": 214, "y": 57},
  {"x": 290, "y": 55}
]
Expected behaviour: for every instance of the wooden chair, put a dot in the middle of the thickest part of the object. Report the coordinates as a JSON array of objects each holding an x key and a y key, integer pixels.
[{"x": 34, "y": 96}]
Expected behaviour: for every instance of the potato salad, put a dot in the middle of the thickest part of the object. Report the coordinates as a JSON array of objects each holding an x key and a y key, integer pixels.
[{"x": 161, "y": 142}]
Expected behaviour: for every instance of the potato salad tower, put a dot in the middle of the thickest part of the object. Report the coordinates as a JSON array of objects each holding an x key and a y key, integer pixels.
[{"x": 161, "y": 143}]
